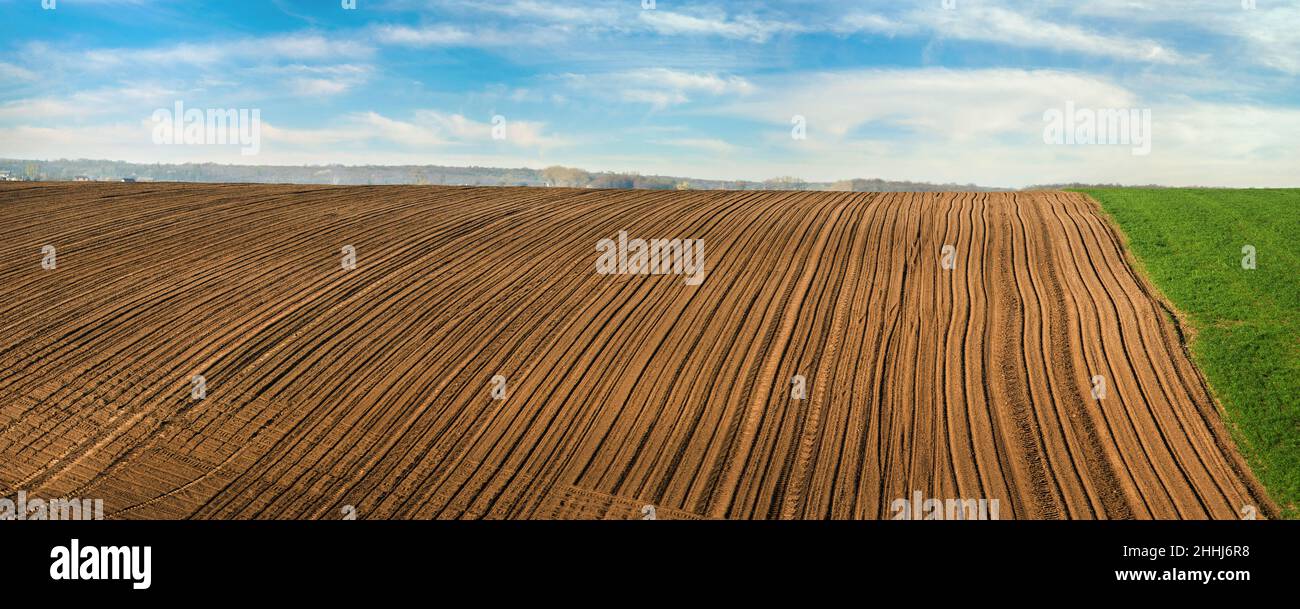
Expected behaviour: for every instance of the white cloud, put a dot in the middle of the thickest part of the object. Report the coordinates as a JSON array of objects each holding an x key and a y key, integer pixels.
[
  {"x": 322, "y": 81},
  {"x": 89, "y": 103},
  {"x": 999, "y": 25},
  {"x": 95, "y": 141},
  {"x": 962, "y": 125},
  {"x": 268, "y": 49},
  {"x": 426, "y": 129},
  {"x": 319, "y": 86},
  {"x": 414, "y": 134},
  {"x": 712, "y": 84},
  {"x": 350, "y": 138},
  {"x": 872, "y": 23},
  {"x": 440, "y": 35},
  {"x": 545, "y": 11},
  {"x": 1268, "y": 35},
  {"x": 37, "y": 109},
  {"x": 659, "y": 87},
  {"x": 9, "y": 71},
  {"x": 717, "y": 24},
  {"x": 131, "y": 143},
  {"x": 969, "y": 22},
  {"x": 444, "y": 35},
  {"x": 935, "y": 102},
  {"x": 708, "y": 145},
  {"x": 519, "y": 133},
  {"x": 986, "y": 126}
]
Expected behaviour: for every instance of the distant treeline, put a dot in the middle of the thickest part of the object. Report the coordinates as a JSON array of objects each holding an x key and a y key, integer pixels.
[
  {"x": 1084, "y": 185},
  {"x": 64, "y": 169}
]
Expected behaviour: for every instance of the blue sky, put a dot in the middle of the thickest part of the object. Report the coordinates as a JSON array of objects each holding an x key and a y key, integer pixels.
[{"x": 895, "y": 90}]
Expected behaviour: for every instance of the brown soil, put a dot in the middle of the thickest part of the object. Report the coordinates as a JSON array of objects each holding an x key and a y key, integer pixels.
[{"x": 371, "y": 387}]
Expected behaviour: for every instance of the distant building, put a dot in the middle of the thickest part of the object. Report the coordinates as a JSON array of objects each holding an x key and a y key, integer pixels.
[
  {"x": 128, "y": 179},
  {"x": 81, "y": 179}
]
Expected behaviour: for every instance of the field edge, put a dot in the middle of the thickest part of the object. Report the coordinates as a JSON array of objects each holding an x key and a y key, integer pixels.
[{"x": 1244, "y": 452}]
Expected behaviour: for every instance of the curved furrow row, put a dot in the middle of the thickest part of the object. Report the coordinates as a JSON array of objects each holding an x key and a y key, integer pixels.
[{"x": 949, "y": 347}]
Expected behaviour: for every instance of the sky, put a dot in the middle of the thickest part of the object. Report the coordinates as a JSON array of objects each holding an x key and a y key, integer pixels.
[{"x": 931, "y": 90}]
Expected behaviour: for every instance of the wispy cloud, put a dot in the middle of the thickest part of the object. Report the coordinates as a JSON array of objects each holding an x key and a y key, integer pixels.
[
  {"x": 715, "y": 23},
  {"x": 702, "y": 144},
  {"x": 1267, "y": 35},
  {"x": 659, "y": 87},
  {"x": 324, "y": 80},
  {"x": 265, "y": 49},
  {"x": 443, "y": 35},
  {"x": 11, "y": 72},
  {"x": 435, "y": 128},
  {"x": 937, "y": 102},
  {"x": 987, "y": 125},
  {"x": 900, "y": 90},
  {"x": 581, "y": 13},
  {"x": 89, "y": 103},
  {"x": 1002, "y": 26}
]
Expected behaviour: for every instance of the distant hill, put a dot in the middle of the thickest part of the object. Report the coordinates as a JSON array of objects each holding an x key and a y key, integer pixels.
[{"x": 64, "y": 169}]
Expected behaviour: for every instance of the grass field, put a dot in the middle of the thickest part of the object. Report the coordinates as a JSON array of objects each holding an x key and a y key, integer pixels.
[{"x": 1245, "y": 324}]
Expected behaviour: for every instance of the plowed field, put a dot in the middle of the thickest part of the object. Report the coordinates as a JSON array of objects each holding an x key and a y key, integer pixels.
[{"x": 372, "y": 387}]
